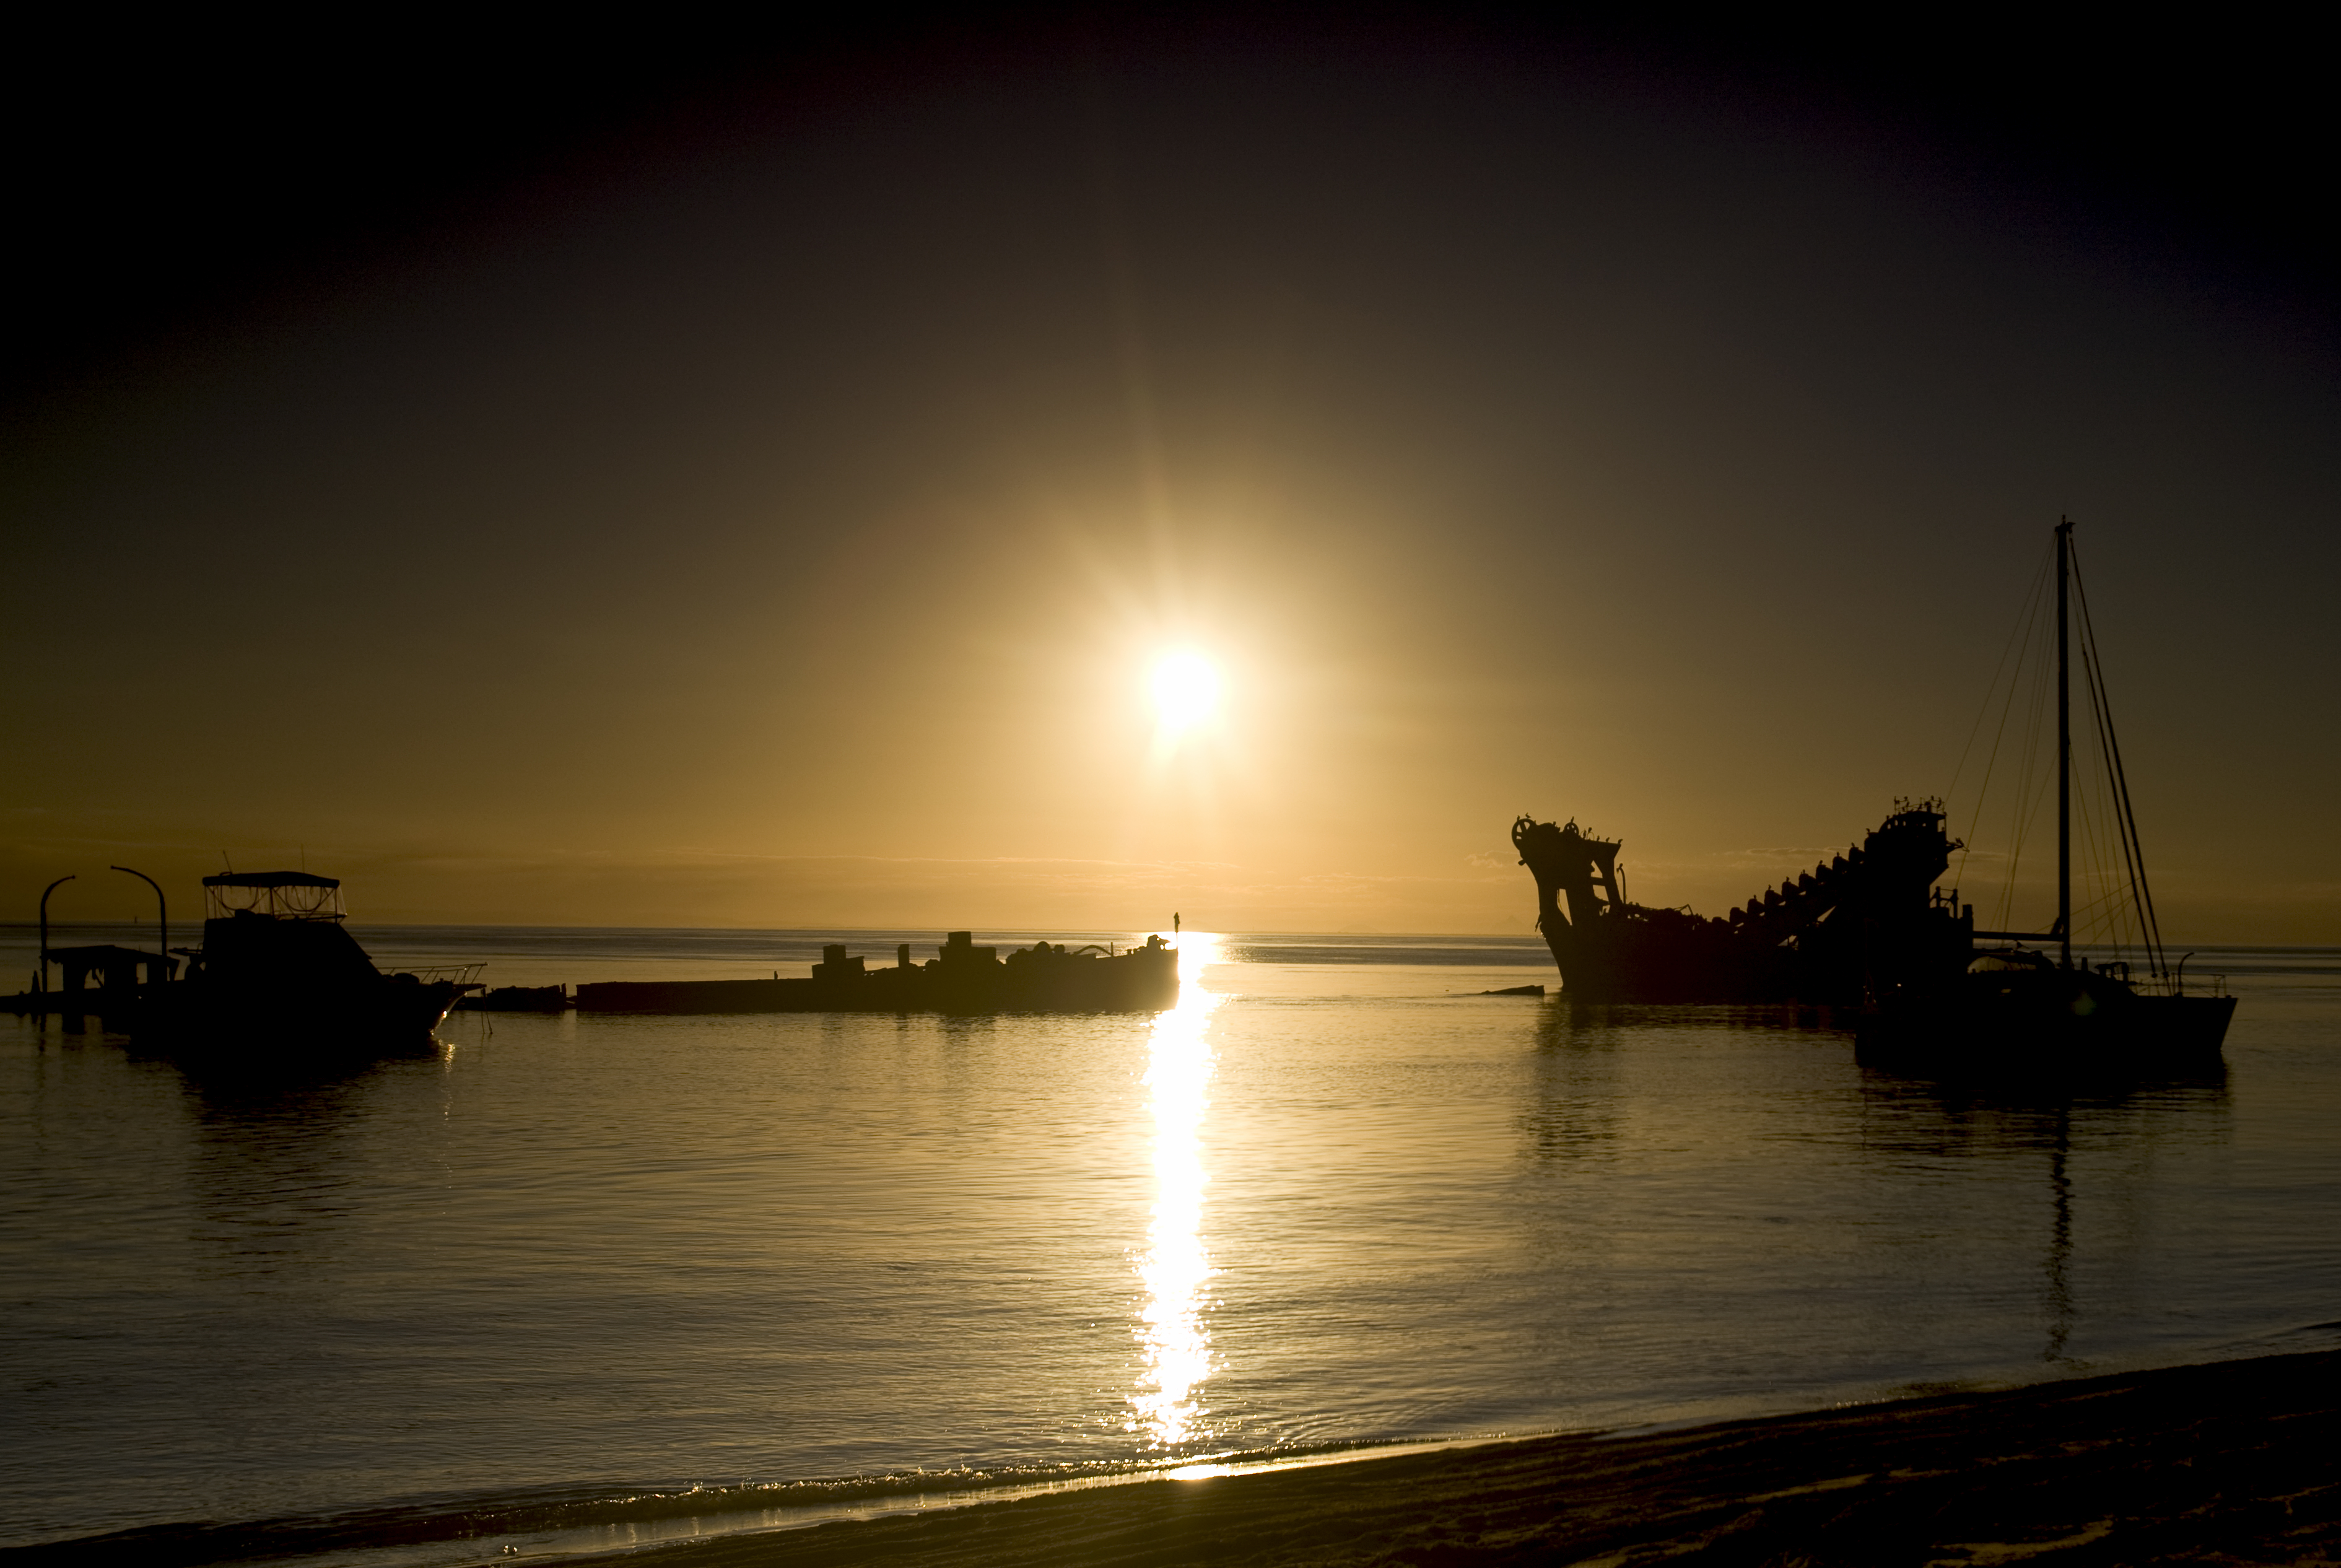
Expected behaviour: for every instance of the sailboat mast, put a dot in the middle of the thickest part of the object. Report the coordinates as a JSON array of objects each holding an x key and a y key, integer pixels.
[{"x": 2064, "y": 756}]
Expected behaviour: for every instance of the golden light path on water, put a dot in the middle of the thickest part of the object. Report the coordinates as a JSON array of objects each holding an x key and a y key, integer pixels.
[{"x": 1174, "y": 1267}]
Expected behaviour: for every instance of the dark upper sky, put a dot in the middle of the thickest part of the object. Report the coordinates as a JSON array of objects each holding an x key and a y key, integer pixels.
[
  {"x": 172, "y": 175},
  {"x": 701, "y": 474}
]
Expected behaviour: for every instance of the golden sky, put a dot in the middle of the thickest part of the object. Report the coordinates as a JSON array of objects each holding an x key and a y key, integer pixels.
[{"x": 777, "y": 527}]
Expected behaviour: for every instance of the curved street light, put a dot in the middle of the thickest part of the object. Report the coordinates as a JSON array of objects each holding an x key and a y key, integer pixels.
[
  {"x": 44, "y": 984},
  {"x": 161, "y": 924}
]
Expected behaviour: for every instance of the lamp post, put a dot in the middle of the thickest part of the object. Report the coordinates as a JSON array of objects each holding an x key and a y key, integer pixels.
[
  {"x": 52, "y": 888},
  {"x": 161, "y": 924}
]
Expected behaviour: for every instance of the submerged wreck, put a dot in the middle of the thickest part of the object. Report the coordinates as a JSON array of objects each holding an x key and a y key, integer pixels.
[
  {"x": 962, "y": 978},
  {"x": 1870, "y": 920}
]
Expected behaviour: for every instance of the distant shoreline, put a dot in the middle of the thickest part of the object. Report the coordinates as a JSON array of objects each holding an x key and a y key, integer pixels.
[{"x": 2225, "y": 1461}]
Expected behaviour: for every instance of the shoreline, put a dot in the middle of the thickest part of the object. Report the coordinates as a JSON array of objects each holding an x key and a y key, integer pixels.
[{"x": 2223, "y": 1461}]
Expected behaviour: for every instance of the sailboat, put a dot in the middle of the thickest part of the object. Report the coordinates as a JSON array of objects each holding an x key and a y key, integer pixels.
[{"x": 2014, "y": 1003}]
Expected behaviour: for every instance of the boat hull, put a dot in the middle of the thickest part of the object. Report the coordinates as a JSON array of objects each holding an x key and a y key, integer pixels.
[
  {"x": 391, "y": 1012},
  {"x": 2049, "y": 1018}
]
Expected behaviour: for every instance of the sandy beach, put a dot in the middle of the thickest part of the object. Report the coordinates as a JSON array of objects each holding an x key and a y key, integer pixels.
[{"x": 2236, "y": 1462}]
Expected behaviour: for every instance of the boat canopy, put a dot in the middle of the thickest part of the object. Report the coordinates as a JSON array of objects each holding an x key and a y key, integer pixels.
[{"x": 280, "y": 895}]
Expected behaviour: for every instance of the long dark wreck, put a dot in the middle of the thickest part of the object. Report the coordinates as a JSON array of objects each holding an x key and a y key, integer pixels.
[
  {"x": 962, "y": 978},
  {"x": 1868, "y": 920}
]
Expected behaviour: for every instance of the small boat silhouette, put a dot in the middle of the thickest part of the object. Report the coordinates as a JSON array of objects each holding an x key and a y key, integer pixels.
[
  {"x": 2011, "y": 1005},
  {"x": 277, "y": 977}
]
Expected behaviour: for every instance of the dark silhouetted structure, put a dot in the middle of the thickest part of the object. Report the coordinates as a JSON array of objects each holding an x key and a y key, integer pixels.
[
  {"x": 115, "y": 969},
  {"x": 2014, "y": 1006},
  {"x": 962, "y": 977},
  {"x": 277, "y": 972},
  {"x": 119, "y": 985},
  {"x": 1866, "y": 917},
  {"x": 518, "y": 999},
  {"x": 1869, "y": 931}
]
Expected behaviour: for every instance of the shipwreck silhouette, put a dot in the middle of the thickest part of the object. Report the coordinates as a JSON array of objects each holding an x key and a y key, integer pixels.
[{"x": 1869, "y": 919}]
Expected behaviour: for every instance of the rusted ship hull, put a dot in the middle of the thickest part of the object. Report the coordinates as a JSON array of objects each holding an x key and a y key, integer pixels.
[
  {"x": 1864, "y": 925},
  {"x": 962, "y": 978}
]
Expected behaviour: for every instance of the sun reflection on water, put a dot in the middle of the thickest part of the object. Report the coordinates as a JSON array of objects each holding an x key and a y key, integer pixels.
[{"x": 1175, "y": 1267}]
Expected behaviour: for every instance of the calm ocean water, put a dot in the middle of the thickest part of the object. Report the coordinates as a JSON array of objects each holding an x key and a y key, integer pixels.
[{"x": 574, "y": 1280}]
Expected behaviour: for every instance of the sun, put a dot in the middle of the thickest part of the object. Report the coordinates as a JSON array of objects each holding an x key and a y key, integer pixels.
[{"x": 1186, "y": 688}]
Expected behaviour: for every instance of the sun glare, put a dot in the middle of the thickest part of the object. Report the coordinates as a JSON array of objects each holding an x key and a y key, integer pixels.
[{"x": 1186, "y": 690}]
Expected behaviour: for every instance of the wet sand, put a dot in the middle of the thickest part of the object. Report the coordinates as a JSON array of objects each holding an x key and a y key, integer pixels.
[{"x": 2238, "y": 1461}]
